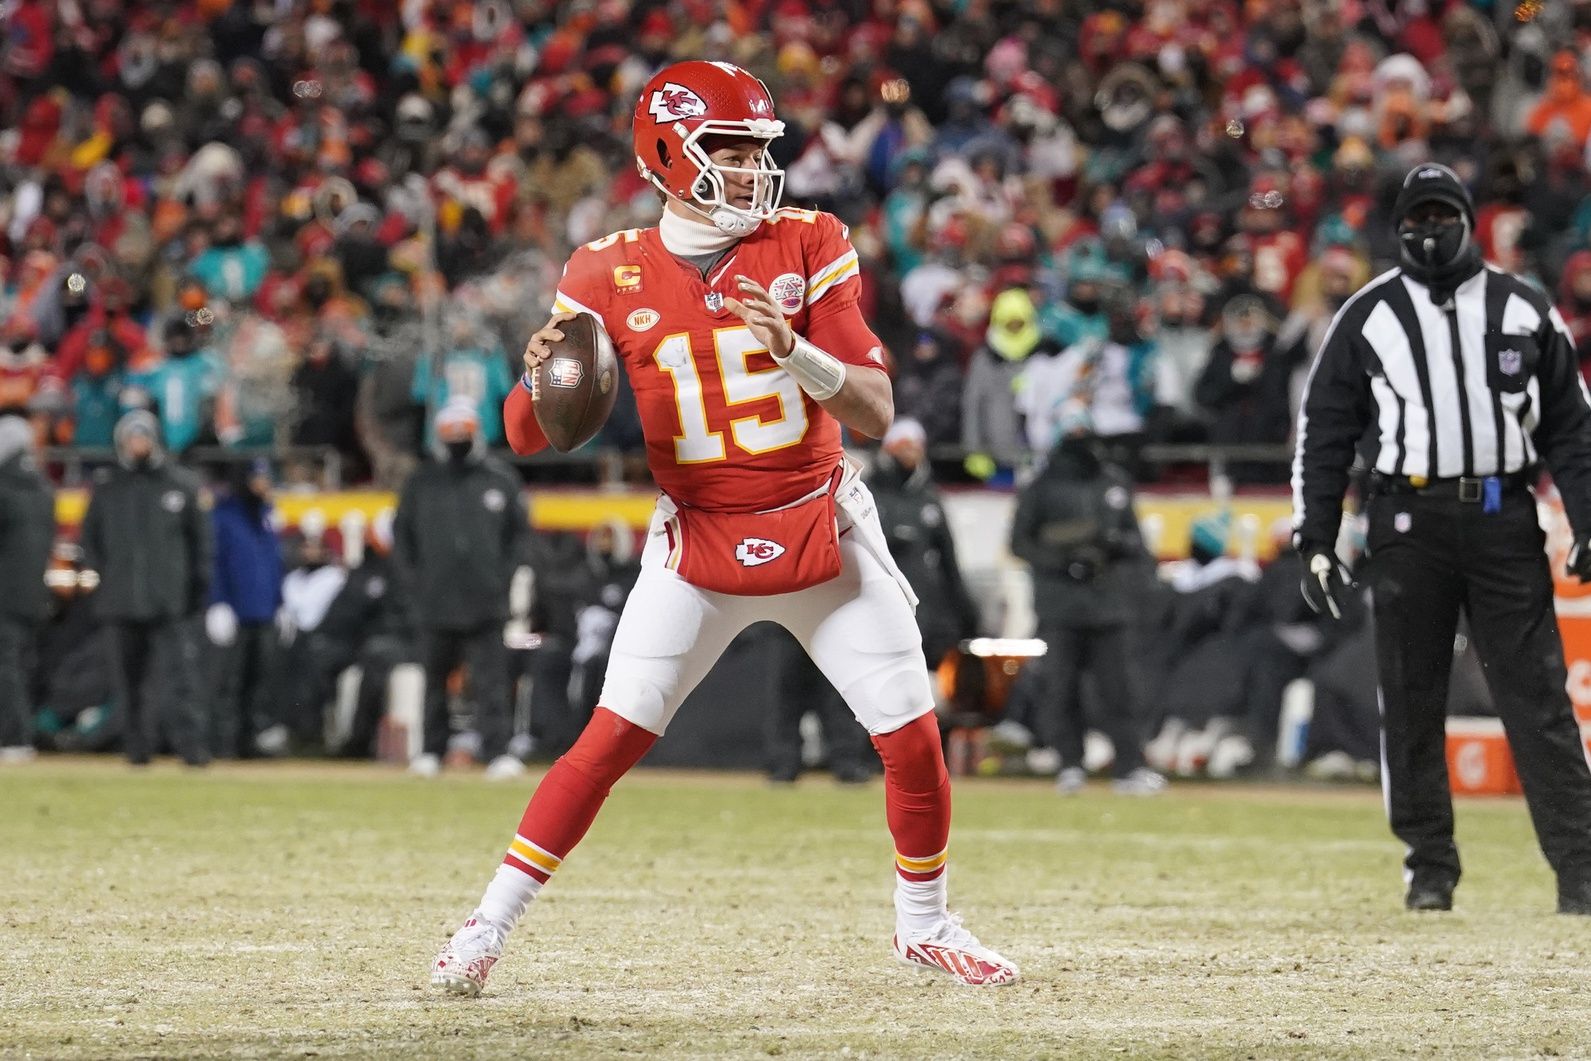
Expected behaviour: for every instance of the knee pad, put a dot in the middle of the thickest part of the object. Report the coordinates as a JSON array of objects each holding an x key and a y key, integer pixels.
[{"x": 892, "y": 696}]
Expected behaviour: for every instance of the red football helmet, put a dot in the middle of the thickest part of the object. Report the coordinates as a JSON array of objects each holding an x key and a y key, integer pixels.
[{"x": 687, "y": 102}]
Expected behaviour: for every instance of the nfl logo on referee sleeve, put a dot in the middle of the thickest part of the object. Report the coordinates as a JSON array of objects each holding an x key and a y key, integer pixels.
[{"x": 1509, "y": 362}]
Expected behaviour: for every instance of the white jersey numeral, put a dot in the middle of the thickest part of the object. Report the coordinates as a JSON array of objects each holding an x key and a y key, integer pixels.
[{"x": 754, "y": 434}]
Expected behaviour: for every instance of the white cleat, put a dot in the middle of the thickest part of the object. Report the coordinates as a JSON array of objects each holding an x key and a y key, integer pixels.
[
  {"x": 1141, "y": 782},
  {"x": 949, "y": 948},
  {"x": 1071, "y": 781},
  {"x": 467, "y": 960},
  {"x": 17, "y": 755},
  {"x": 425, "y": 765},
  {"x": 504, "y": 768}
]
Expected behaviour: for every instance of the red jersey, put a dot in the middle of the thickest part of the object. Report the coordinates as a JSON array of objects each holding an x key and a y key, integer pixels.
[{"x": 726, "y": 428}]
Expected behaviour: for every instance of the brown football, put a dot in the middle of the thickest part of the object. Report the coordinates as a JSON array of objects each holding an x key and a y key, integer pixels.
[{"x": 573, "y": 390}]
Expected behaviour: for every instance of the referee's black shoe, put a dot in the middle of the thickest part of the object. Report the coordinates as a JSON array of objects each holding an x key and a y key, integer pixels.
[
  {"x": 1429, "y": 895},
  {"x": 1574, "y": 896}
]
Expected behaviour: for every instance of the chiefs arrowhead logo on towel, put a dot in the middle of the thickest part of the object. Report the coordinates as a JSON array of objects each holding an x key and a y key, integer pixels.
[{"x": 754, "y": 552}]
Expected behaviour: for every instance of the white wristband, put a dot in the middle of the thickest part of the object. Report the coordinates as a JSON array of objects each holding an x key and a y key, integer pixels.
[{"x": 820, "y": 374}]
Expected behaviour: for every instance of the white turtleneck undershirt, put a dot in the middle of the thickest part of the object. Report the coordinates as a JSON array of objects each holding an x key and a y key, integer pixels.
[{"x": 698, "y": 242}]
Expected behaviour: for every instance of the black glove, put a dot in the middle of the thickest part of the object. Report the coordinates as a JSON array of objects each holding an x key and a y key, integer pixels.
[
  {"x": 1579, "y": 564},
  {"x": 1326, "y": 580}
]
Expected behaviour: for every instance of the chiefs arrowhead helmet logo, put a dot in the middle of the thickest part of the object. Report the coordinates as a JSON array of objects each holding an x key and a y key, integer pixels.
[{"x": 673, "y": 102}]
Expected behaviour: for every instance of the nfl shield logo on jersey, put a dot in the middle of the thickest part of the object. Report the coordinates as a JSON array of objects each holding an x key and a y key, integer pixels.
[
  {"x": 754, "y": 552},
  {"x": 715, "y": 302},
  {"x": 1509, "y": 362}
]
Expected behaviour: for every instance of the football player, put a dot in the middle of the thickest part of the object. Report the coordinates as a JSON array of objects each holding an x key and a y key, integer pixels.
[{"x": 738, "y": 325}]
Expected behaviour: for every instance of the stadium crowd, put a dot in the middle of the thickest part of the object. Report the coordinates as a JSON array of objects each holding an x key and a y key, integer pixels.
[{"x": 318, "y": 222}]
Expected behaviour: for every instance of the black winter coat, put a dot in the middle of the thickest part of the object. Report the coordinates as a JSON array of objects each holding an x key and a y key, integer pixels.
[
  {"x": 27, "y": 531},
  {"x": 460, "y": 531},
  {"x": 1076, "y": 528},
  {"x": 148, "y": 534}
]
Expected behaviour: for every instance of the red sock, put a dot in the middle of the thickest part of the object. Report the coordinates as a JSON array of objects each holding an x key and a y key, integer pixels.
[
  {"x": 916, "y": 797},
  {"x": 566, "y": 802}
]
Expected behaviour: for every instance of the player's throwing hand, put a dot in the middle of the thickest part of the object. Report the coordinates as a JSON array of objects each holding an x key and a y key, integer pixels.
[
  {"x": 757, "y": 308},
  {"x": 537, "y": 350}
]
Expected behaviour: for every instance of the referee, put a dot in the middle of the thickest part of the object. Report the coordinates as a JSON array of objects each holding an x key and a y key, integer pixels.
[{"x": 1456, "y": 378}]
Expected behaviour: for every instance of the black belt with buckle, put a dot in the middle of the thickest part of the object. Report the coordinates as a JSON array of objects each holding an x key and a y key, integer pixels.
[{"x": 1466, "y": 488}]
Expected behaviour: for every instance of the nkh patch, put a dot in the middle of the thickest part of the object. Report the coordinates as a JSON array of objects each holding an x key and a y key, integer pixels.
[
  {"x": 564, "y": 372},
  {"x": 754, "y": 552},
  {"x": 1510, "y": 362},
  {"x": 1402, "y": 522}
]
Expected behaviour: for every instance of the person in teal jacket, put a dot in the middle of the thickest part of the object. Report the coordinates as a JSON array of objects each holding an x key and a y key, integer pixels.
[
  {"x": 181, "y": 388},
  {"x": 474, "y": 367}
]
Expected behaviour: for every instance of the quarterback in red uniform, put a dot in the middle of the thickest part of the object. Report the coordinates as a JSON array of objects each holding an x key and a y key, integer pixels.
[{"x": 737, "y": 323}]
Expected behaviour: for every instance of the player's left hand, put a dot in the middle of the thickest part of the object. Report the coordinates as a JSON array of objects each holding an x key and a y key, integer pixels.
[{"x": 757, "y": 308}]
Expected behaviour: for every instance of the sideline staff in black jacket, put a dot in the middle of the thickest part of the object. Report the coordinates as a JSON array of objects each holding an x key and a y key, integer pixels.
[
  {"x": 1076, "y": 527},
  {"x": 27, "y": 530},
  {"x": 460, "y": 531},
  {"x": 1459, "y": 377},
  {"x": 148, "y": 536}
]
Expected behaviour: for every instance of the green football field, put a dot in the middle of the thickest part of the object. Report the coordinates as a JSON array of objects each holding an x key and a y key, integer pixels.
[{"x": 291, "y": 911}]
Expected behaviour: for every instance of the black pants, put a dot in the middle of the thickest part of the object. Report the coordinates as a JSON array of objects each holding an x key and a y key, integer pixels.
[
  {"x": 242, "y": 677},
  {"x": 18, "y": 641},
  {"x": 1102, "y": 652},
  {"x": 1429, "y": 557},
  {"x": 481, "y": 648},
  {"x": 798, "y": 687},
  {"x": 153, "y": 668}
]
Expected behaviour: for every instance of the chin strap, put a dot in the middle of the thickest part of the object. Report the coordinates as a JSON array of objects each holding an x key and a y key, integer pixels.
[{"x": 819, "y": 373}]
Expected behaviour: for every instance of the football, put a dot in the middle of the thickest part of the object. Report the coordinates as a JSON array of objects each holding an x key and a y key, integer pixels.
[{"x": 573, "y": 390}]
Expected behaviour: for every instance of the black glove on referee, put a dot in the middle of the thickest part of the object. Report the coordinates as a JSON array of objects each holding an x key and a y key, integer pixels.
[
  {"x": 1579, "y": 564},
  {"x": 1326, "y": 580}
]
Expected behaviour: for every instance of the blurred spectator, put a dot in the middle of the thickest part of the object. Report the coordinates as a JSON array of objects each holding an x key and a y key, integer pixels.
[
  {"x": 149, "y": 539},
  {"x": 920, "y": 542},
  {"x": 928, "y": 386},
  {"x": 368, "y": 626},
  {"x": 472, "y": 369},
  {"x": 1197, "y": 659},
  {"x": 240, "y": 622},
  {"x": 1246, "y": 386},
  {"x": 991, "y": 428},
  {"x": 796, "y": 688},
  {"x": 325, "y": 389},
  {"x": 231, "y": 267},
  {"x": 1564, "y": 112},
  {"x": 27, "y": 530},
  {"x": 180, "y": 388},
  {"x": 73, "y": 686},
  {"x": 611, "y": 573},
  {"x": 460, "y": 533},
  {"x": 1076, "y": 528},
  {"x": 307, "y": 679},
  {"x": 1107, "y": 381}
]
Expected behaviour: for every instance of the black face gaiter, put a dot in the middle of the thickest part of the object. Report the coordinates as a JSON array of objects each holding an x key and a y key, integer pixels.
[
  {"x": 1439, "y": 254},
  {"x": 459, "y": 452}
]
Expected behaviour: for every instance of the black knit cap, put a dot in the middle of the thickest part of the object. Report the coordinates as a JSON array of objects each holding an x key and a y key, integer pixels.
[{"x": 1433, "y": 182}]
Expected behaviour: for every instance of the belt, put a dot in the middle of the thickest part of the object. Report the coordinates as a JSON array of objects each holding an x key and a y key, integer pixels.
[{"x": 1469, "y": 489}]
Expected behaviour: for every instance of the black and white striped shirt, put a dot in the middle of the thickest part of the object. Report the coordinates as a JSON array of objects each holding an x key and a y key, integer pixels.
[{"x": 1487, "y": 385}]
